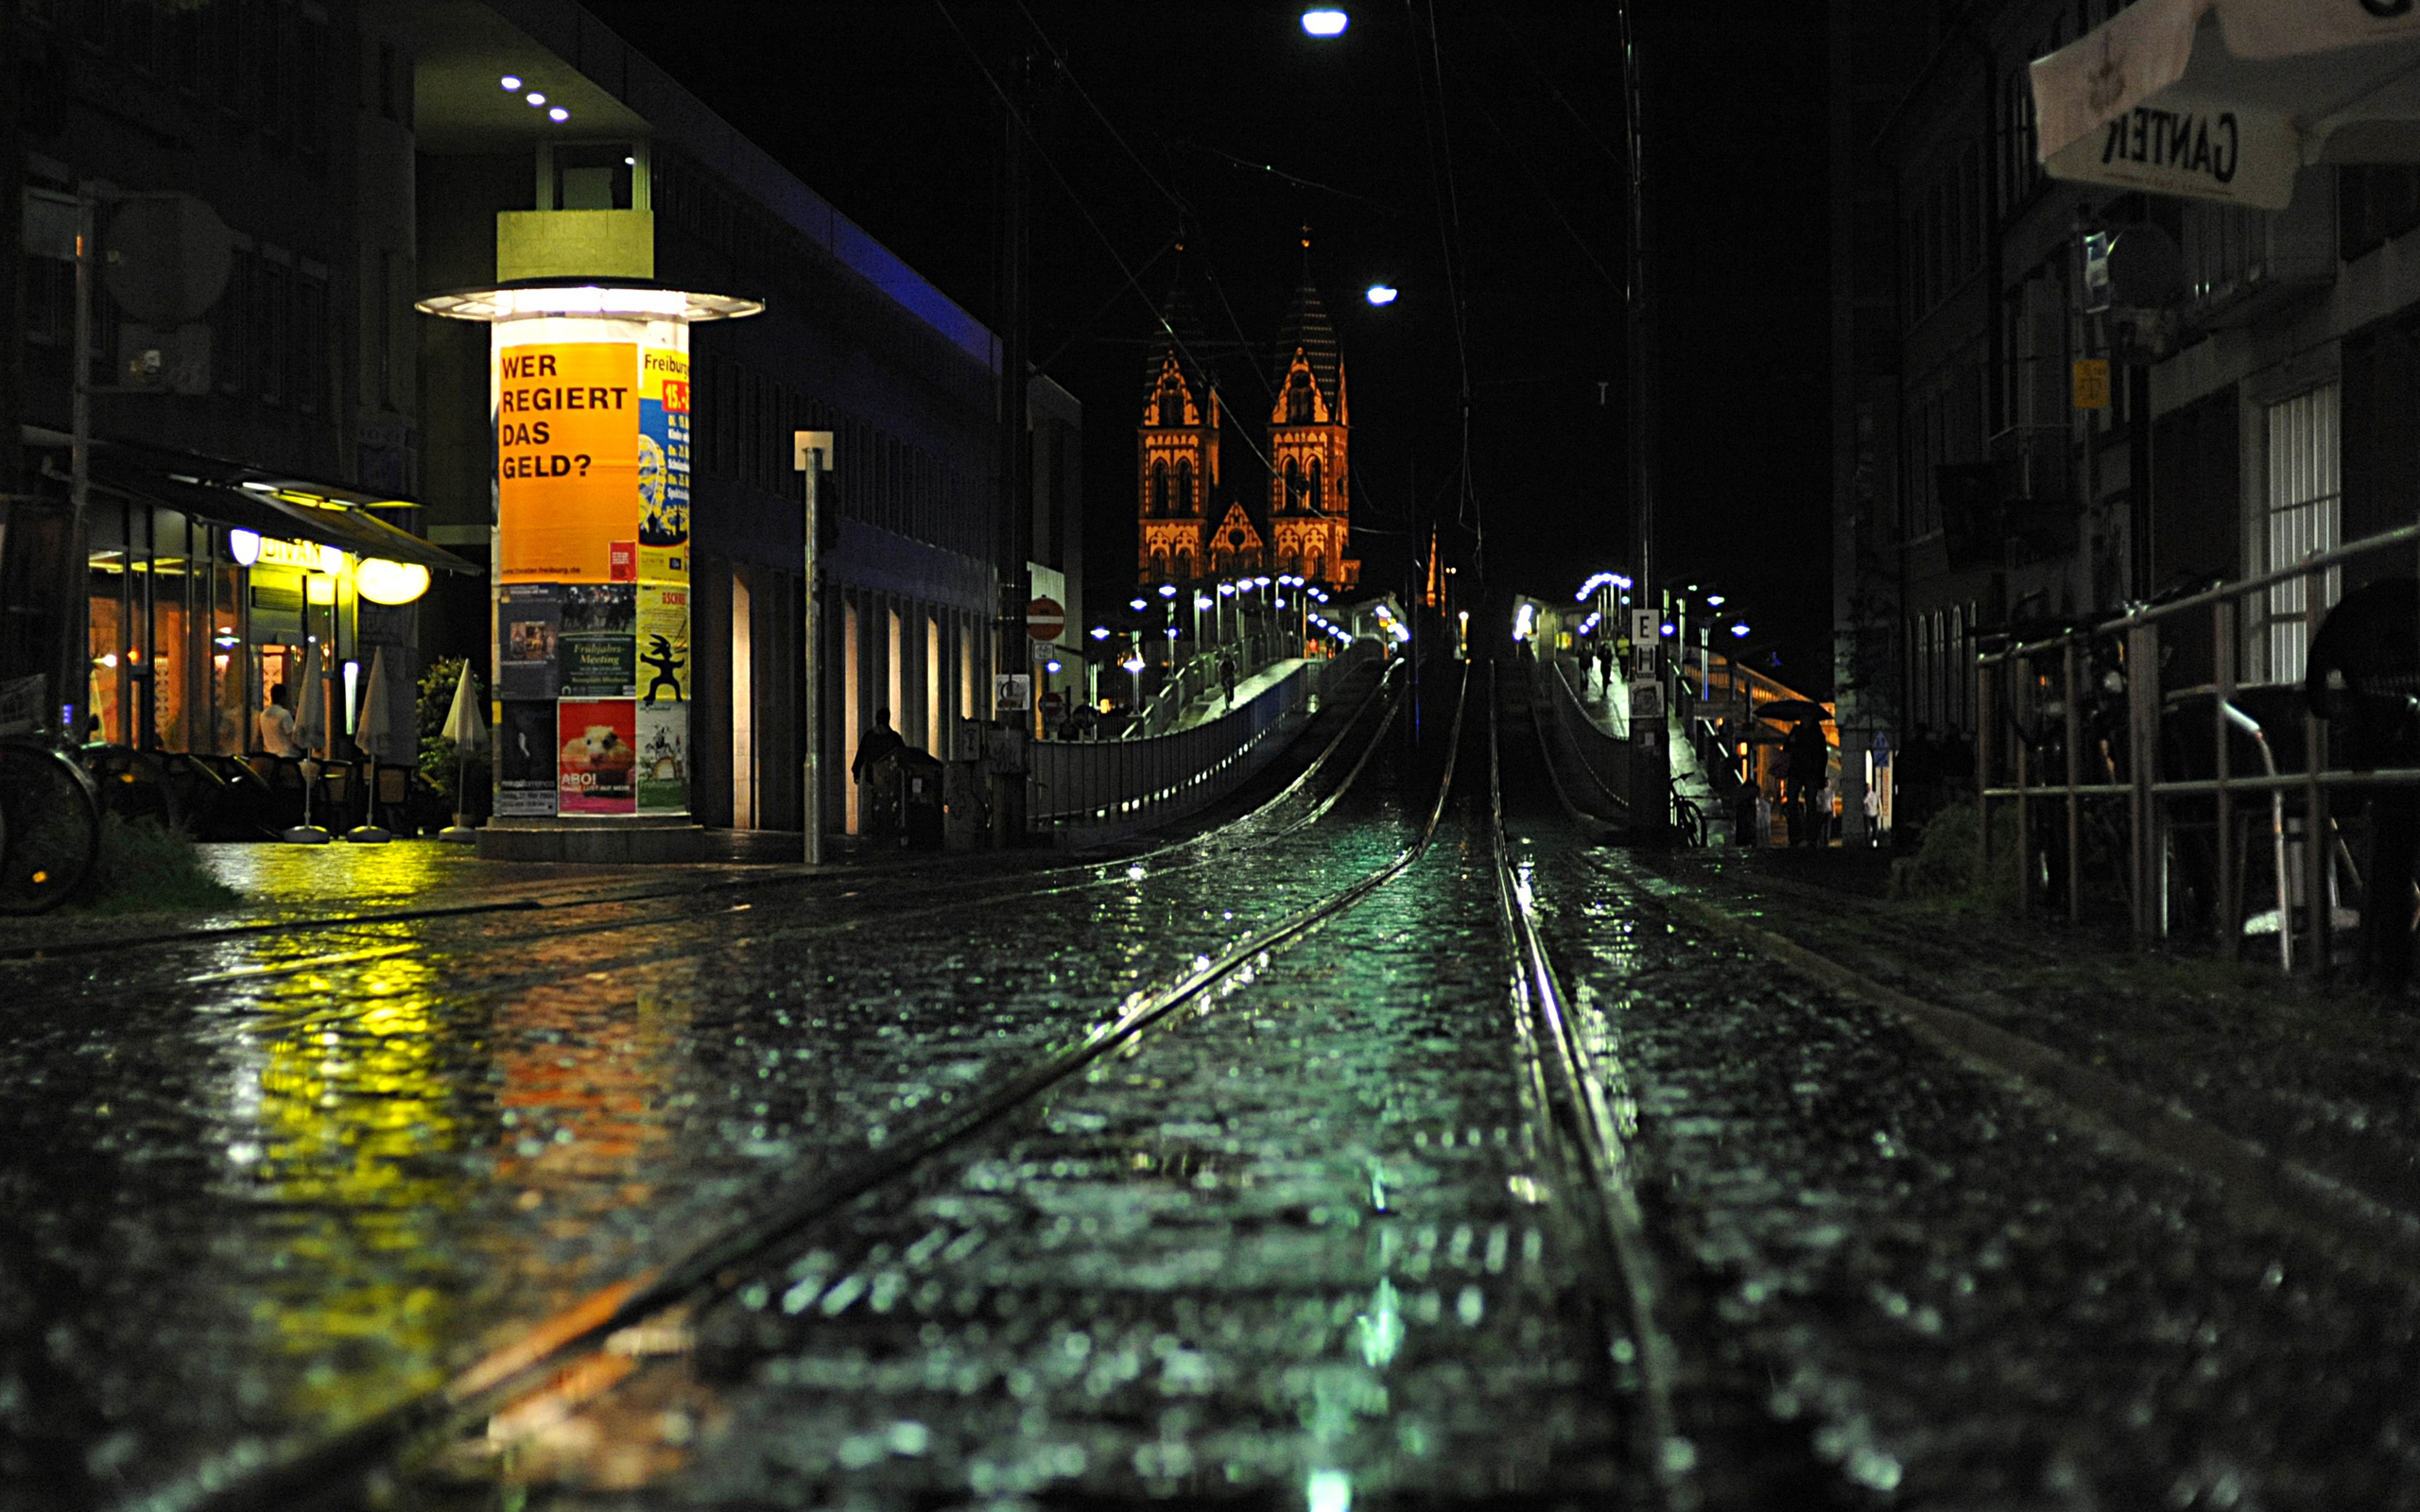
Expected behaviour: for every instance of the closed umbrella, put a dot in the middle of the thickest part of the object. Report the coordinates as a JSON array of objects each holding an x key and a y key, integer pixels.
[
  {"x": 311, "y": 733},
  {"x": 375, "y": 732},
  {"x": 468, "y": 733}
]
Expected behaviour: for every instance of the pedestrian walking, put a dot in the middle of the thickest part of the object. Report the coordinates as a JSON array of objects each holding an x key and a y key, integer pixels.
[
  {"x": 1227, "y": 677},
  {"x": 1764, "y": 819},
  {"x": 875, "y": 770},
  {"x": 1874, "y": 812},
  {"x": 1826, "y": 799}
]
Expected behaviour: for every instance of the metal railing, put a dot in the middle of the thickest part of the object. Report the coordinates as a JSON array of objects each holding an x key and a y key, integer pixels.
[
  {"x": 2059, "y": 698},
  {"x": 1109, "y": 785},
  {"x": 1605, "y": 757},
  {"x": 1199, "y": 675}
]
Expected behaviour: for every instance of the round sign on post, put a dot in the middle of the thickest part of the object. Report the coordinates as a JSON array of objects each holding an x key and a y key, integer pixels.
[{"x": 1045, "y": 618}]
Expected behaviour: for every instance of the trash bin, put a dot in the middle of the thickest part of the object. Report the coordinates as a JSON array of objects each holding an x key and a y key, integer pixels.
[
  {"x": 920, "y": 799},
  {"x": 967, "y": 825}
]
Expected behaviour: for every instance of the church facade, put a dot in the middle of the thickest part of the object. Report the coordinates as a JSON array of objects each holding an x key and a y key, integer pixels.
[{"x": 1189, "y": 525}]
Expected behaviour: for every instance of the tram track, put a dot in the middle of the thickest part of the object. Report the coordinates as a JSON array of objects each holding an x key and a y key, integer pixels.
[
  {"x": 949, "y": 896},
  {"x": 1576, "y": 1090},
  {"x": 585, "y": 1349},
  {"x": 2268, "y": 1191},
  {"x": 837, "y": 885}
]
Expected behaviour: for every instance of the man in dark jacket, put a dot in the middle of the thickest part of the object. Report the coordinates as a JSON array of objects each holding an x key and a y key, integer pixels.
[{"x": 879, "y": 774}]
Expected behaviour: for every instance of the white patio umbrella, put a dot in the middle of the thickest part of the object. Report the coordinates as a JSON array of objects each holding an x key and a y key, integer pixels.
[
  {"x": 311, "y": 733},
  {"x": 2226, "y": 99},
  {"x": 375, "y": 731},
  {"x": 468, "y": 732}
]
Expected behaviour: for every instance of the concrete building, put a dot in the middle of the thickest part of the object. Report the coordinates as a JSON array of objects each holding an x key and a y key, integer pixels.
[
  {"x": 2029, "y": 427},
  {"x": 369, "y": 155}
]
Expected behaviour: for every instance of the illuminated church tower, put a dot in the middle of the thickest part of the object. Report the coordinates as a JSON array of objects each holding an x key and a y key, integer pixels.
[
  {"x": 1310, "y": 480},
  {"x": 1176, "y": 451}
]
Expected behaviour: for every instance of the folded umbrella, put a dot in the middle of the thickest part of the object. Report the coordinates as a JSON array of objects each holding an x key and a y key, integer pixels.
[
  {"x": 311, "y": 733},
  {"x": 468, "y": 733},
  {"x": 375, "y": 732}
]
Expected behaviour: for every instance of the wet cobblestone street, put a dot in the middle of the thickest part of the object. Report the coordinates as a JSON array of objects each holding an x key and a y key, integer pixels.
[{"x": 1308, "y": 1239}]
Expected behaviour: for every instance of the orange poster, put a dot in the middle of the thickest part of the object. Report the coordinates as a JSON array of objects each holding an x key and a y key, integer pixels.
[{"x": 567, "y": 458}]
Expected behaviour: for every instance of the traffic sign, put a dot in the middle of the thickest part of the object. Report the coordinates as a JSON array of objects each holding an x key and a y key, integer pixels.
[
  {"x": 1045, "y": 618},
  {"x": 1011, "y": 692}
]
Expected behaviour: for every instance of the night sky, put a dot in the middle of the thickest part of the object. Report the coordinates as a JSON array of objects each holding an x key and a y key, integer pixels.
[{"x": 1491, "y": 165}]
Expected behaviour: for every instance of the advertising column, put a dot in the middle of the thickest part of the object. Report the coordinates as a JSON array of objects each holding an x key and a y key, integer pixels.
[
  {"x": 591, "y": 427},
  {"x": 589, "y": 394}
]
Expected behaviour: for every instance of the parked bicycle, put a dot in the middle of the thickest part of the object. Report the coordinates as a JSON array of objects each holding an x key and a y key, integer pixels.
[{"x": 50, "y": 825}]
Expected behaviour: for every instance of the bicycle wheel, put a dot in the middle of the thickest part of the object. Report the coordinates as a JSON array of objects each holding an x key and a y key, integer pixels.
[{"x": 53, "y": 827}]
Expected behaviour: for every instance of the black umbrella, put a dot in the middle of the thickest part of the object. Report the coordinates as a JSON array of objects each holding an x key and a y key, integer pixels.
[{"x": 1792, "y": 711}]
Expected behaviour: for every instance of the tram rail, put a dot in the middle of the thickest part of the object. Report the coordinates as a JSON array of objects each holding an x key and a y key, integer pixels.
[
  {"x": 948, "y": 895},
  {"x": 585, "y": 1349},
  {"x": 1572, "y": 1087},
  {"x": 838, "y": 883}
]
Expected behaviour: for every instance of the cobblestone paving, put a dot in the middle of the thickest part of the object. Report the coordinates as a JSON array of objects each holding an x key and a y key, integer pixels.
[
  {"x": 271, "y": 1200},
  {"x": 1956, "y": 1304},
  {"x": 2324, "y": 1073},
  {"x": 1291, "y": 1250}
]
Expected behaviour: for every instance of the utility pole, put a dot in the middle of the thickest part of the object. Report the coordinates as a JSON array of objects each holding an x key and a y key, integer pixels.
[
  {"x": 811, "y": 451},
  {"x": 1651, "y": 757},
  {"x": 12, "y": 314},
  {"x": 1016, "y": 442}
]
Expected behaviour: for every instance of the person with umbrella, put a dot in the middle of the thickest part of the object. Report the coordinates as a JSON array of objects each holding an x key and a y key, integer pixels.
[{"x": 1809, "y": 756}]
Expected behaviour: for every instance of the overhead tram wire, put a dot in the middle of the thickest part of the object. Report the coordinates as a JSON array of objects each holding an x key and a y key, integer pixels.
[
  {"x": 1133, "y": 279},
  {"x": 1587, "y": 127},
  {"x": 1296, "y": 179},
  {"x": 1446, "y": 195},
  {"x": 1521, "y": 160},
  {"x": 1059, "y": 59}
]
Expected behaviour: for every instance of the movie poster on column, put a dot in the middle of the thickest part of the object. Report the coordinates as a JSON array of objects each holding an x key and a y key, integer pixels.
[
  {"x": 566, "y": 439},
  {"x": 663, "y": 758},
  {"x": 529, "y": 621},
  {"x": 524, "y": 768},
  {"x": 664, "y": 642},
  {"x": 663, "y": 465},
  {"x": 595, "y": 764},
  {"x": 596, "y": 644}
]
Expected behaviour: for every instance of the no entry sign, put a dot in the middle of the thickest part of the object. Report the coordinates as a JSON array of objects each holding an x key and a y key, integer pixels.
[{"x": 1045, "y": 618}]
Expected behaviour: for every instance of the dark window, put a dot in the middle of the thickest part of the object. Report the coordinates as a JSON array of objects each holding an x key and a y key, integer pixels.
[
  {"x": 274, "y": 324},
  {"x": 2374, "y": 202},
  {"x": 231, "y": 326},
  {"x": 311, "y": 343}
]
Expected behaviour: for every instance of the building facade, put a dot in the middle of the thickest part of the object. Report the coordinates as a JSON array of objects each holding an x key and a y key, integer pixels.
[
  {"x": 2054, "y": 399},
  {"x": 366, "y": 156}
]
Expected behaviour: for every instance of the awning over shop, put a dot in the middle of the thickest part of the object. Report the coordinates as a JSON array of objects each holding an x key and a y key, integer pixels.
[
  {"x": 2226, "y": 99},
  {"x": 266, "y": 502}
]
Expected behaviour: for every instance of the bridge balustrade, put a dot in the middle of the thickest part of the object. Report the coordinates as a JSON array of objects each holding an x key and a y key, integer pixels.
[{"x": 1086, "y": 790}]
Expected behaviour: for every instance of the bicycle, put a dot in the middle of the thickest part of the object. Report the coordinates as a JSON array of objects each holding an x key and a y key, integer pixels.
[{"x": 51, "y": 826}]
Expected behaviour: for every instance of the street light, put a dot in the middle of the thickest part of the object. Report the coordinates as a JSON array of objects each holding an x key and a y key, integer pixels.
[
  {"x": 1380, "y": 294},
  {"x": 1325, "y": 21}
]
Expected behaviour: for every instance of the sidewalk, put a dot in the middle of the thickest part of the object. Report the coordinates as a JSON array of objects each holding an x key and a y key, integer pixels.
[{"x": 2324, "y": 1075}]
